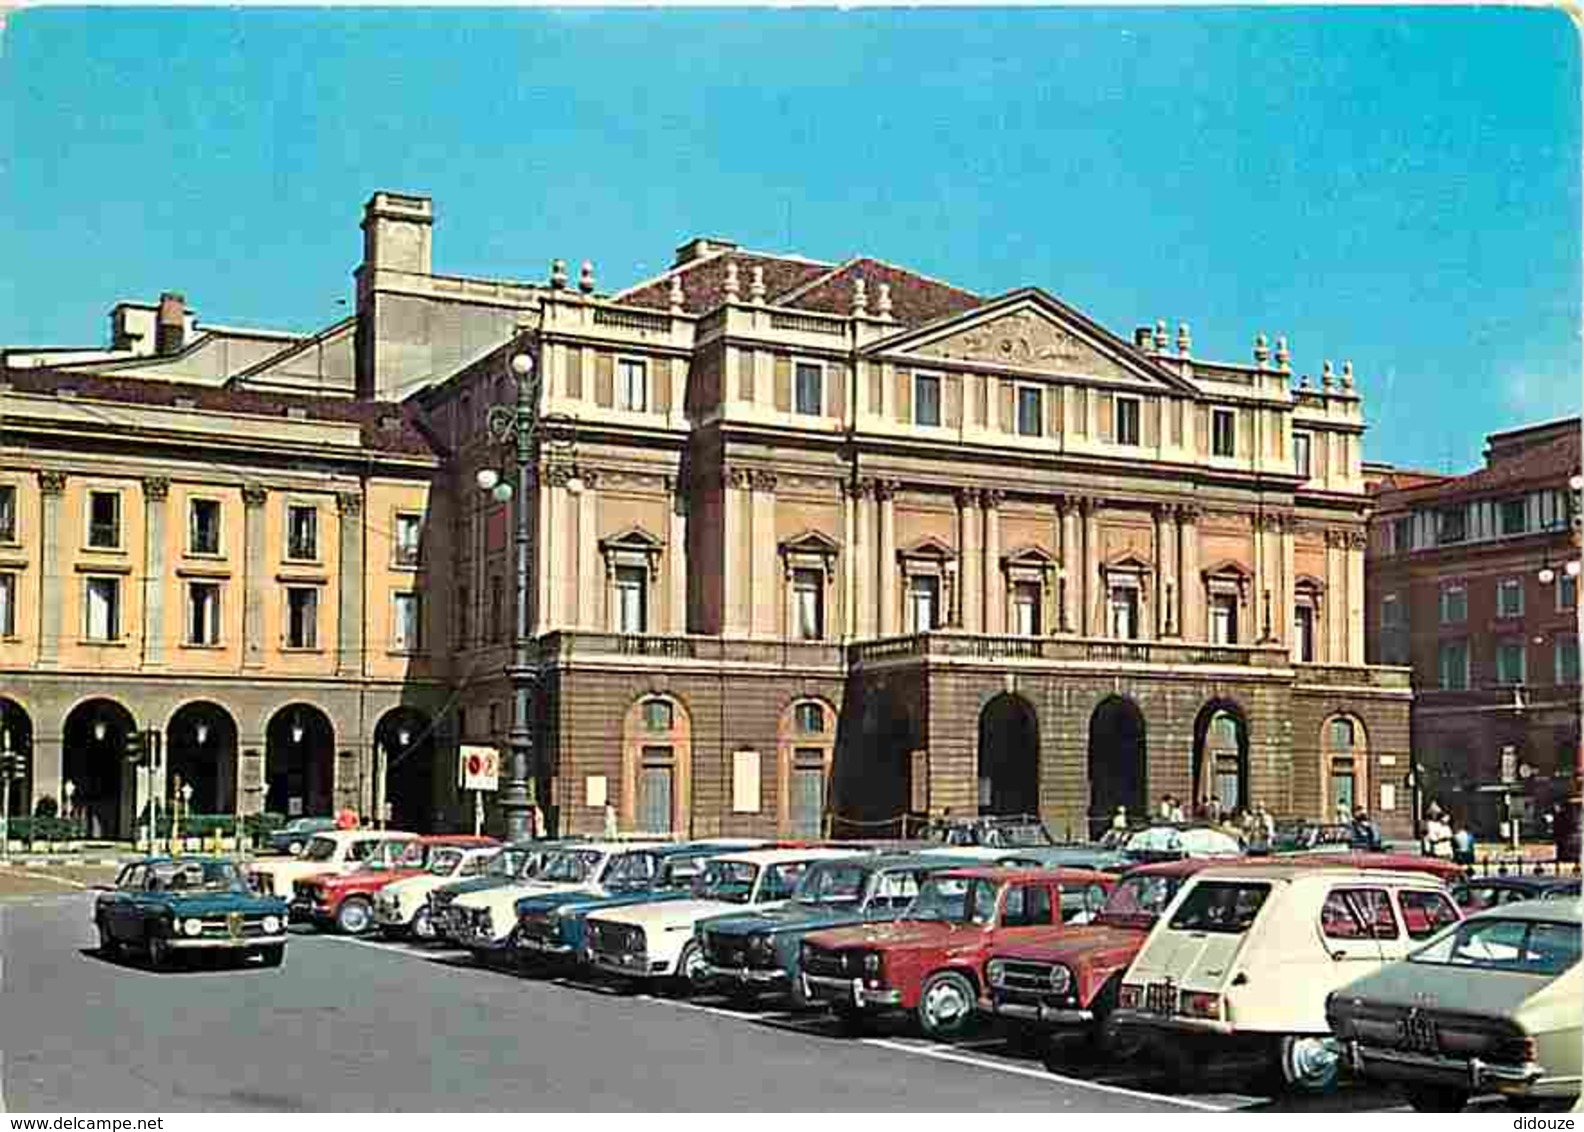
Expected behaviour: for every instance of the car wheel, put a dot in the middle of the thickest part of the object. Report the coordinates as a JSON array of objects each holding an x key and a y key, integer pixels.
[
  {"x": 295, "y": 848},
  {"x": 421, "y": 927},
  {"x": 946, "y": 1005},
  {"x": 109, "y": 948},
  {"x": 159, "y": 949},
  {"x": 1310, "y": 1063},
  {"x": 690, "y": 968},
  {"x": 355, "y": 916},
  {"x": 273, "y": 955}
]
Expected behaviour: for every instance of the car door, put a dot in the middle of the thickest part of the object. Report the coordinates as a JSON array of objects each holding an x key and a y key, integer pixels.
[
  {"x": 113, "y": 904},
  {"x": 1026, "y": 910},
  {"x": 1347, "y": 929}
]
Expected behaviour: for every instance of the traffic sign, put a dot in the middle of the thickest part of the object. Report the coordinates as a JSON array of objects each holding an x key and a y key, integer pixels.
[{"x": 480, "y": 767}]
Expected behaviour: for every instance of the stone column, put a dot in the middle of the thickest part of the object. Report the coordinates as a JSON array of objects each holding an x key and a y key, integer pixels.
[
  {"x": 765, "y": 616},
  {"x": 848, "y": 556},
  {"x": 557, "y": 536},
  {"x": 1338, "y": 599},
  {"x": 156, "y": 490},
  {"x": 1068, "y": 582},
  {"x": 734, "y": 570},
  {"x": 52, "y": 490},
  {"x": 1093, "y": 591},
  {"x": 884, "y": 492},
  {"x": 351, "y": 631},
  {"x": 590, "y": 588},
  {"x": 1289, "y": 592},
  {"x": 545, "y": 544},
  {"x": 253, "y": 567},
  {"x": 1162, "y": 572},
  {"x": 995, "y": 591},
  {"x": 49, "y": 768},
  {"x": 968, "y": 548},
  {"x": 1353, "y": 626},
  {"x": 677, "y": 555},
  {"x": 1171, "y": 572},
  {"x": 1191, "y": 599}
]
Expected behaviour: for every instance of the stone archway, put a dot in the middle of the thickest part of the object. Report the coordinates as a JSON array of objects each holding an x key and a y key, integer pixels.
[
  {"x": 299, "y": 762},
  {"x": 1221, "y": 757},
  {"x": 805, "y": 746},
  {"x": 1008, "y": 757},
  {"x": 406, "y": 741},
  {"x": 94, "y": 760},
  {"x": 1118, "y": 762},
  {"x": 16, "y": 737},
  {"x": 657, "y": 767},
  {"x": 873, "y": 787},
  {"x": 1344, "y": 773},
  {"x": 201, "y": 750}
]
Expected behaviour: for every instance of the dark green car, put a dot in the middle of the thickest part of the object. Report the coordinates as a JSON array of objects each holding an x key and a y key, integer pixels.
[{"x": 168, "y": 906}]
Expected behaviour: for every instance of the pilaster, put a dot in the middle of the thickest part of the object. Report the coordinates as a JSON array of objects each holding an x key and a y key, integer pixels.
[
  {"x": 1094, "y": 596},
  {"x": 676, "y": 555},
  {"x": 52, "y": 490},
  {"x": 735, "y": 570},
  {"x": 767, "y": 580},
  {"x": 884, "y": 492},
  {"x": 254, "y": 497},
  {"x": 974, "y": 567},
  {"x": 351, "y": 632},
  {"x": 1069, "y": 581},
  {"x": 156, "y": 491},
  {"x": 1191, "y": 598},
  {"x": 994, "y": 583},
  {"x": 590, "y": 579}
]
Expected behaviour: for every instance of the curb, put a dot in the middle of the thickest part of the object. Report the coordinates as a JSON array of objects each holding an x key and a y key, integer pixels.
[{"x": 62, "y": 862}]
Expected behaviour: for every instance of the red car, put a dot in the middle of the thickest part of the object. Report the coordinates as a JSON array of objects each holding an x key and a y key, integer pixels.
[
  {"x": 345, "y": 901},
  {"x": 929, "y": 961},
  {"x": 1068, "y": 979}
]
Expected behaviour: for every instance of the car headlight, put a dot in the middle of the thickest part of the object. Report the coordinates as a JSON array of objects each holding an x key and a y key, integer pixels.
[
  {"x": 995, "y": 973},
  {"x": 271, "y": 925},
  {"x": 192, "y": 927},
  {"x": 1060, "y": 979},
  {"x": 804, "y": 953},
  {"x": 871, "y": 963},
  {"x": 761, "y": 945}
]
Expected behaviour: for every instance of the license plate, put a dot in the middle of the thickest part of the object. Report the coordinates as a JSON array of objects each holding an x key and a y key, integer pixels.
[
  {"x": 1419, "y": 1032},
  {"x": 1160, "y": 998}
]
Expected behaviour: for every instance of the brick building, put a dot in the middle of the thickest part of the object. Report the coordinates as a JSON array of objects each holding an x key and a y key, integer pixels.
[
  {"x": 820, "y": 545},
  {"x": 1473, "y": 582}
]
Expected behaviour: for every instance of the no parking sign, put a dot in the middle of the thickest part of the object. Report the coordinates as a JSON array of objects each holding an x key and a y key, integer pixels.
[{"x": 480, "y": 767}]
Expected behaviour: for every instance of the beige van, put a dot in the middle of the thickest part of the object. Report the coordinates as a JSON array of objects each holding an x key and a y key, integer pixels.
[{"x": 1246, "y": 955}]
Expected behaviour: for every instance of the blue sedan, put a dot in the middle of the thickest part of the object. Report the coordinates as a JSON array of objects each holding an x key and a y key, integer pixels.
[{"x": 168, "y": 906}]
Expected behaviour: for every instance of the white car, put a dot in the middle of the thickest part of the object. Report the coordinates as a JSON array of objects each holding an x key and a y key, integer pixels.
[
  {"x": 338, "y": 851},
  {"x": 656, "y": 940},
  {"x": 401, "y": 908},
  {"x": 483, "y": 921}
]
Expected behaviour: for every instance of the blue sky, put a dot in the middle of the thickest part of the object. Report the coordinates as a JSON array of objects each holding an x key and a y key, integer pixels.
[{"x": 1397, "y": 187}]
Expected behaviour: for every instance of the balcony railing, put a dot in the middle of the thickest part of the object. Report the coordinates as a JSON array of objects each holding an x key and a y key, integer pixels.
[
  {"x": 577, "y": 644},
  {"x": 974, "y": 646}
]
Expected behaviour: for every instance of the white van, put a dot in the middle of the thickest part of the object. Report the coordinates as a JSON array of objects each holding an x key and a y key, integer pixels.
[{"x": 1249, "y": 952}]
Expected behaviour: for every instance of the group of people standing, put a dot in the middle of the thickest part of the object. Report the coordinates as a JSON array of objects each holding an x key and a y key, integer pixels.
[{"x": 1443, "y": 837}]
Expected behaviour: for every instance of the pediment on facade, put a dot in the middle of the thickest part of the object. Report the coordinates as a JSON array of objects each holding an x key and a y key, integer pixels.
[
  {"x": 928, "y": 547},
  {"x": 1031, "y": 331},
  {"x": 633, "y": 539},
  {"x": 1309, "y": 582},
  {"x": 1030, "y": 556},
  {"x": 1128, "y": 562},
  {"x": 1230, "y": 569},
  {"x": 810, "y": 542}
]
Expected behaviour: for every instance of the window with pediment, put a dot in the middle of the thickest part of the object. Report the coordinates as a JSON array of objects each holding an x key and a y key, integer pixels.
[
  {"x": 1030, "y": 572},
  {"x": 809, "y": 575},
  {"x": 1226, "y": 602},
  {"x": 929, "y": 575},
  {"x": 632, "y": 568},
  {"x": 1126, "y": 580}
]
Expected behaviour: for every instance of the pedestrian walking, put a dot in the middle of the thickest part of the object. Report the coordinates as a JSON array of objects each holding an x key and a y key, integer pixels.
[
  {"x": 1463, "y": 844},
  {"x": 1365, "y": 834},
  {"x": 1437, "y": 837},
  {"x": 1119, "y": 820}
]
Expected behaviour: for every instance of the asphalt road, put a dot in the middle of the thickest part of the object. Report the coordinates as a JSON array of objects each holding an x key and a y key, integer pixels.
[{"x": 350, "y": 1025}]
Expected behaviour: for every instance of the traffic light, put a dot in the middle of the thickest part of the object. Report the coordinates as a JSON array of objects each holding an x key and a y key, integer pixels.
[
  {"x": 137, "y": 747},
  {"x": 13, "y": 765}
]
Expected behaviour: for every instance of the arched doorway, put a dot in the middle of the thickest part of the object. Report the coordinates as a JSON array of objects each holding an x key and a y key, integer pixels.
[
  {"x": 805, "y": 746},
  {"x": 299, "y": 762},
  {"x": 406, "y": 741},
  {"x": 16, "y": 736},
  {"x": 1117, "y": 762},
  {"x": 1345, "y": 749},
  {"x": 872, "y": 783},
  {"x": 657, "y": 767},
  {"x": 1008, "y": 757},
  {"x": 1221, "y": 757},
  {"x": 200, "y": 750},
  {"x": 103, "y": 790}
]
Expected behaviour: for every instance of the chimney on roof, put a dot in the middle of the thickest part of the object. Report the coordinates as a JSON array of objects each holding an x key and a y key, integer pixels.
[
  {"x": 170, "y": 326},
  {"x": 699, "y": 247}
]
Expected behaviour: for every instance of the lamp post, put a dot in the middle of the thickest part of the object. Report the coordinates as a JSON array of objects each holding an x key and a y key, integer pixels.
[{"x": 519, "y": 425}]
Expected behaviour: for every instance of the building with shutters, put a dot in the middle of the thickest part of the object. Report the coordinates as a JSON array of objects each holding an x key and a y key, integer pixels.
[{"x": 817, "y": 547}]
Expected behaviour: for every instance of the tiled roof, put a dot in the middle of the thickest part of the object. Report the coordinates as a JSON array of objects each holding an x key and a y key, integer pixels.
[
  {"x": 1552, "y": 462},
  {"x": 915, "y": 299},
  {"x": 368, "y": 415},
  {"x": 704, "y": 281}
]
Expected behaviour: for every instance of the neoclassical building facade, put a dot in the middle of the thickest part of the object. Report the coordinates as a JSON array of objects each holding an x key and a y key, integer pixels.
[{"x": 817, "y": 547}]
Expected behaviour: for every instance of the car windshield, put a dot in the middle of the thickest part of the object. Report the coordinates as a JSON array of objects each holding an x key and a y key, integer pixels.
[
  {"x": 194, "y": 876},
  {"x": 506, "y": 864},
  {"x": 1223, "y": 907},
  {"x": 955, "y": 900},
  {"x": 569, "y": 866},
  {"x": 1138, "y": 901},
  {"x": 320, "y": 849},
  {"x": 679, "y": 872},
  {"x": 299, "y": 825},
  {"x": 444, "y": 860},
  {"x": 731, "y": 881},
  {"x": 1533, "y": 947},
  {"x": 832, "y": 885}
]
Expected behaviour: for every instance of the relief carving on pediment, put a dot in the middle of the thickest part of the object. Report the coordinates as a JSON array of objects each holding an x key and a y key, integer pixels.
[{"x": 1027, "y": 340}]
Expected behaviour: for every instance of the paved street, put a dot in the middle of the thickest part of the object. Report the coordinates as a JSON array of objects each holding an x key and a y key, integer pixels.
[{"x": 352, "y": 1025}]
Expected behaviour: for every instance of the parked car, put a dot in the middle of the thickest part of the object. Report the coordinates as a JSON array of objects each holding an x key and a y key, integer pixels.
[
  {"x": 1305, "y": 836},
  {"x": 293, "y": 837},
  {"x": 1246, "y": 954},
  {"x": 656, "y": 940},
  {"x": 515, "y": 863},
  {"x": 758, "y": 950},
  {"x": 484, "y": 921},
  {"x": 929, "y": 960},
  {"x": 401, "y": 908},
  {"x": 1086, "y": 856},
  {"x": 1476, "y": 894},
  {"x": 1491, "y": 1005},
  {"x": 1173, "y": 842},
  {"x": 337, "y": 851},
  {"x": 345, "y": 901},
  {"x": 169, "y": 906}
]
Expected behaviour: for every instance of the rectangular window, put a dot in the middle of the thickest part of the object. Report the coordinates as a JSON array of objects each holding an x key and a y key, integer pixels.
[
  {"x": 1454, "y": 665},
  {"x": 203, "y": 526},
  {"x": 104, "y": 520},
  {"x": 8, "y": 590},
  {"x": 1514, "y": 516},
  {"x": 1303, "y": 634},
  {"x": 1223, "y": 619},
  {"x": 1567, "y": 591},
  {"x": 1509, "y": 597},
  {"x": 203, "y": 613},
  {"x": 406, "y": 622},
  {"x": 1402, "y": 535},
  {"x": 1026, "y": 601},
  {"x": 497, "y": 610},
  {"x": 302, "y": 617},
  {"x": 657, "y": 715},
  {"x": 409, "y": 525},
  {"x": 809, "y": 378},
  {"x": 923, "y": 602},
  {"x": 810, "y": 718},
  {"x": 1452, "y": 525},
  {"x": 1030, "y": 410},
  {"x": 808, "y": 604},
  {"x": 807, "y": 811},
  {"x": 1510, "y": 662},
  {"x": 632, "y": 614},
  {"x": 1454, "y": 605},
  {"x": 103, "y": 622},
  {"x": 1301, "y": 453},
  {"x": 8, "y": 513},
  {"x": 302, "y": 533},
  {"x": 632, "y": 385},
  {"x": 1223, "y": 432},
  {"x": 1127, "y": 421},
  {"x": 1123, "y": 603},
  {"x": 1567, "y": 660},
  {"x": 464, "y": 617},
  {"x": 926, "y": 399}
]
